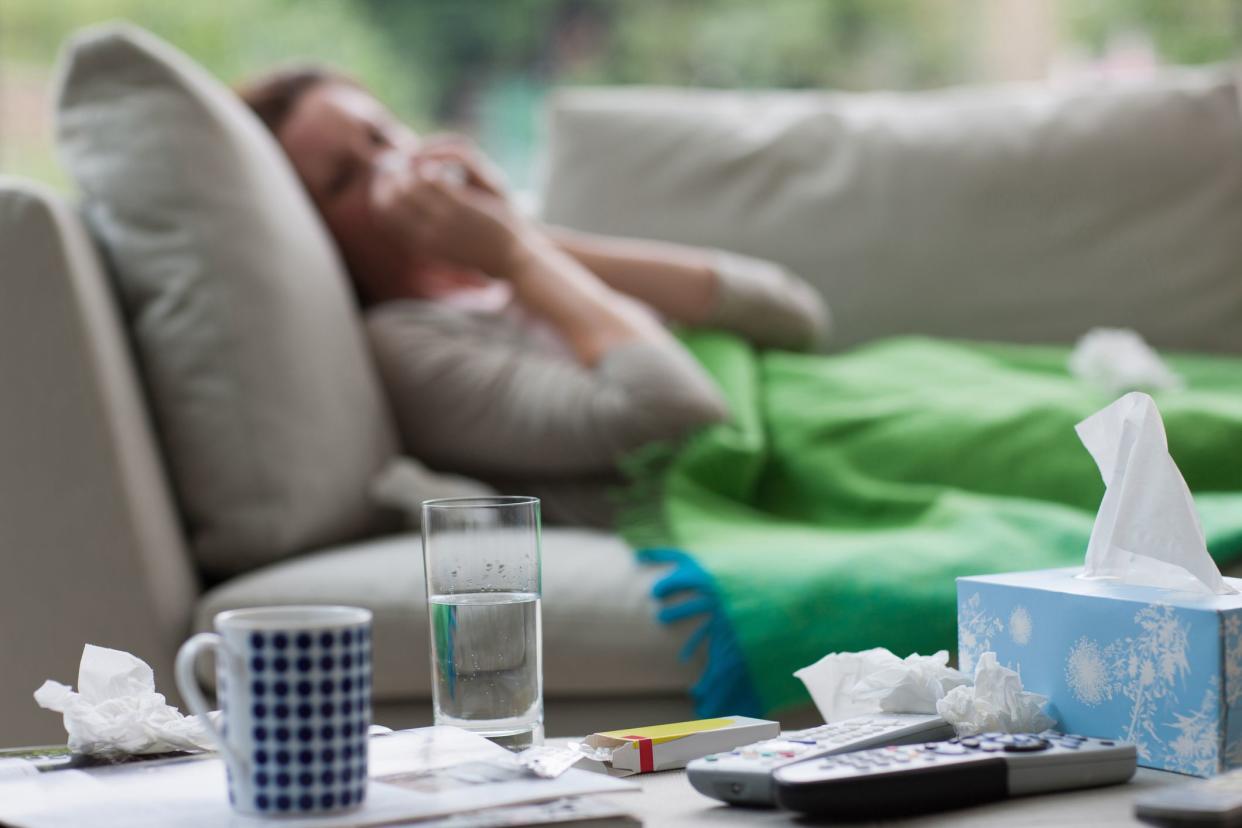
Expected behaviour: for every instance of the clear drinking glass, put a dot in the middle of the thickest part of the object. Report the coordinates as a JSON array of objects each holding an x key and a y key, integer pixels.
[{"x": 482, "y": 560}]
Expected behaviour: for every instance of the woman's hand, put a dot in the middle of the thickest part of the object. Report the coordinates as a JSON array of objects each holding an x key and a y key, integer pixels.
[
  {"x": 459, "y": 150},
  {"x": 449, "y": 220}
]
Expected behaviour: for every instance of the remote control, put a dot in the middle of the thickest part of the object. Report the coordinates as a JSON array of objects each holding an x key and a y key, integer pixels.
[
  {"x": 1216, "y": 801},
  {"x": 744, "y": 776},
  {"x": 895, "y": 781}
]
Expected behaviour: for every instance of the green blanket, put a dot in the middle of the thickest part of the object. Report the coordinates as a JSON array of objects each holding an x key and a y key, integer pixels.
[{"x": 849, "y": 491}]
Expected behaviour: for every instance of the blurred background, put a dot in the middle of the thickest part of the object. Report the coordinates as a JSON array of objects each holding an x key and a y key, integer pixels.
[{"x": 483, "y": 66}]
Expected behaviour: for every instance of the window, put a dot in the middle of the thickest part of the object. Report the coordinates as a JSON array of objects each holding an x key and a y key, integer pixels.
[{"x": 483, "y": 66}]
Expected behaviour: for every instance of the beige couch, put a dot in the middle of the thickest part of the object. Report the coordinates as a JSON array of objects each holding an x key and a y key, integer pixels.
[
  {"x": 1021, "y": 214},
  {"x": 92, "y": 548}
]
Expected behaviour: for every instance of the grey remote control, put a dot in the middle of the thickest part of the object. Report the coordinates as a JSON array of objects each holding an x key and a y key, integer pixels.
[
  {"x": 744, "y": 776},
  {"x": 1216, "y": 801},
  {"x": 914, "y": 779}
]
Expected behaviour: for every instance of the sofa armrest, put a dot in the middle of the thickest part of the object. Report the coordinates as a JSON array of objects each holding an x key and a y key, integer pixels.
[{"x": 90, "y": 546}]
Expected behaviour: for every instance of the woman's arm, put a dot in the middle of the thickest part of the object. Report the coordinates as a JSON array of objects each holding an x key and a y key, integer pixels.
[
  {"x": 759, "y": 300},
  {"x": 588, "y": 314},
  {"x": 677, "y": 281},
  {"x": 708, "y": 288},
  {"x": 473, "y": 227},
  {"x": 469, "y": 400}
]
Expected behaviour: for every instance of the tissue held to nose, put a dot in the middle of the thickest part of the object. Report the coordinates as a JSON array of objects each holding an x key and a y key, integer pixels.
[{"x": 116, "y": 710}]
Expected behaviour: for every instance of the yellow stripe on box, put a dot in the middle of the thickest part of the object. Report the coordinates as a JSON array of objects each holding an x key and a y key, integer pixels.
[{"x": 669, "y": 732}]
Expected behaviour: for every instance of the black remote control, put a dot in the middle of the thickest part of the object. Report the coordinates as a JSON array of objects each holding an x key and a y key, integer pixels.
[{"x": 894, "y": 781}]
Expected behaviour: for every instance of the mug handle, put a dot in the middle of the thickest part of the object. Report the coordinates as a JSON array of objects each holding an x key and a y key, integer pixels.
[{"x": 187, "y": 683}]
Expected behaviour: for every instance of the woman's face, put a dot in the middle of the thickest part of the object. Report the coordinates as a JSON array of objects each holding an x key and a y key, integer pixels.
[{"x": 334, "y": 137}]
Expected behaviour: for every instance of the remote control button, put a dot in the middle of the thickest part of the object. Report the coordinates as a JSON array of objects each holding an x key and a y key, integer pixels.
[
  {"x": 1077, "y": 738},
  {"x": 1066, "y": 743},
  {"x": 712, "y": 758},
  {"x": 991, "y": 747},
  {"x": 1026, "y": 747},
  {"x": 1108, "y": 742},
  {"x": 948, "y": 749},
  {"x": 970, "y": 742}
]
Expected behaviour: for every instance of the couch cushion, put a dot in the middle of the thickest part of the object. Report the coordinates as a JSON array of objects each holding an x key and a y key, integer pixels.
[
  {"x": 268, "y": 407},
  {"x": 600, "y": 636},
  {"x": 1011, "y": 213}
]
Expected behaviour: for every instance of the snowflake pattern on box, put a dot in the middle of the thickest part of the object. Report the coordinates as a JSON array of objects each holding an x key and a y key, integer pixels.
[
  {"x": 975, "y": 629},
  {"x": 1087, "y": 673},
  {"x": 1197, "y": 746},
  {"x": 1020, "y": 626},
  {"x": 1147, "y": 669},
  {"x": 1233, "y": 686}
]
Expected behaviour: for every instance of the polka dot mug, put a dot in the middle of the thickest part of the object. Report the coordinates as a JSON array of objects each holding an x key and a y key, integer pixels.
[{"x": 294, "y": 686}]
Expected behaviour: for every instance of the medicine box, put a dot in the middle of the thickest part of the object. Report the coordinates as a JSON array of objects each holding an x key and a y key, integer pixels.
[{"x": 663, "y": 747}]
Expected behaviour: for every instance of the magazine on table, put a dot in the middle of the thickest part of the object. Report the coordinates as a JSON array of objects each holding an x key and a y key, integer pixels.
[{"x": 439, "y": 776}]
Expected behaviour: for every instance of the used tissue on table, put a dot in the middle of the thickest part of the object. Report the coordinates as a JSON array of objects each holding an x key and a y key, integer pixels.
[
  {"x": 995, "y": 703},
  {"x": 1144, "y": 643},
  {"x": 116, "y": 710},
  {"x": 845, "y": 685}
]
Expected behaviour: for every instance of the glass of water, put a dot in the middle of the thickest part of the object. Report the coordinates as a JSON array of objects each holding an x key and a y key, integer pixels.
[{"x": 481, "y": 556}]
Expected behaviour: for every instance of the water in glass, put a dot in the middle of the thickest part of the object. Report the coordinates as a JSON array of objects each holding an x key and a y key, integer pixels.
[{"x": 486, "y": 649}]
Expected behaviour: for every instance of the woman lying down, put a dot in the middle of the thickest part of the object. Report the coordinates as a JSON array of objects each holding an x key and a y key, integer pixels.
[
  {"x": 822, "y": 503},
  {"x": 523, "y": 355}
]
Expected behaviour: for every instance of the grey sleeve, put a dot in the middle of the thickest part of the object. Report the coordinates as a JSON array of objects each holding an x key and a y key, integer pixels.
[
  {"x": 474, "y": 404},
  {"x": 766, "y": 304}
]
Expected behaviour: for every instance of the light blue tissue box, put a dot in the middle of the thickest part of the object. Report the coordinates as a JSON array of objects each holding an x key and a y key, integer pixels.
[{"x": 1159, "y": 668}]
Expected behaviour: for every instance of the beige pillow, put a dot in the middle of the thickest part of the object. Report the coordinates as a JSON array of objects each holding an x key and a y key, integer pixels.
[
  {"x": 1013, "y": 213},
  {"x": 267, "y": 403}
]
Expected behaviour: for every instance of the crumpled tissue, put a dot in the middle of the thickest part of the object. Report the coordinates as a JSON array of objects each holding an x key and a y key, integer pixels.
[
  {"x": 1116, "y": 360},
  {"x": 844, "y": 685},
  {"x": 995, "y": 703},
  {"x": 116, "y": 710},
  {"x": 1147, "y": 530}
]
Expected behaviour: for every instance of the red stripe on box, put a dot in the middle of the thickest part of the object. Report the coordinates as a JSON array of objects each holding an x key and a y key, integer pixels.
[{"x": 646, "y": 755}]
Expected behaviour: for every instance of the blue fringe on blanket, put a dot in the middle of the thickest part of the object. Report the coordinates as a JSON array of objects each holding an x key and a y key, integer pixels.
[{"x": 725, "y": 688}]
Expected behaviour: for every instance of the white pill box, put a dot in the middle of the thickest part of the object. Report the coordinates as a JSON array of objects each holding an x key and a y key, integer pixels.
[{"x": 668, "y": 746}]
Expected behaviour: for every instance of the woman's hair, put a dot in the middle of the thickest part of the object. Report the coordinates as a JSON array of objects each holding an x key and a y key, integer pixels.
[{"x": 274, "y": 94}]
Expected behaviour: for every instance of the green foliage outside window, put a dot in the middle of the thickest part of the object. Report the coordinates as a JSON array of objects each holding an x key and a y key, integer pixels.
[{"x": 484, "y": 65}]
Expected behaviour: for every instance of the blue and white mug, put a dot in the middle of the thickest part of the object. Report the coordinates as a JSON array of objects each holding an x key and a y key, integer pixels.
[{"x": 294, "y": 685}]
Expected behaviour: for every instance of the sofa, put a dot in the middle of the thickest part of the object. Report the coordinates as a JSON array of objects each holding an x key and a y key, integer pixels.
[{"x": 1023, "y": 213}]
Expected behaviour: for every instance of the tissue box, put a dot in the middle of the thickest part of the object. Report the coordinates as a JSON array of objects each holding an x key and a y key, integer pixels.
[
  {"x": 1156, "y": 667},
  {"x": 663, "y": 747}
]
